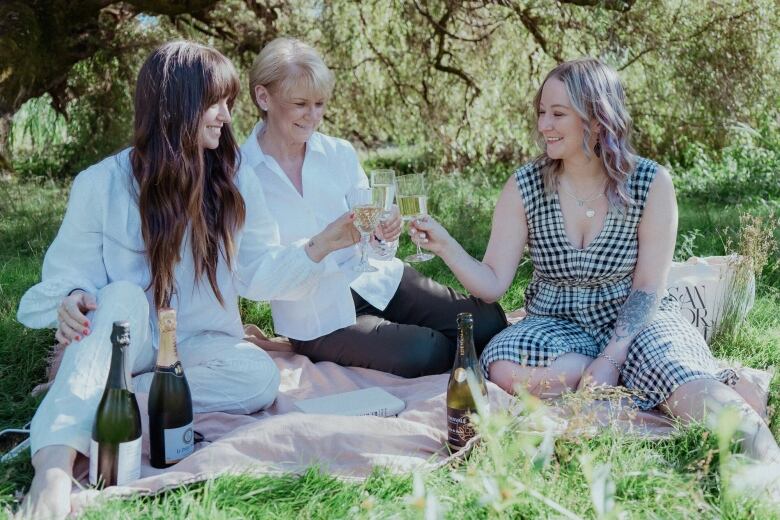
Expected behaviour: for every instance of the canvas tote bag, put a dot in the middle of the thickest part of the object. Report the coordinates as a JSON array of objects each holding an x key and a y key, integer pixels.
[{"x": 707, "y": 289}]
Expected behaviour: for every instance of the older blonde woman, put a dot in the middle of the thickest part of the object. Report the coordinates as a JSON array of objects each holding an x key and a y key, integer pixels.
[
  {"x": 600, "y": 223},
  {"x": 394, "y": 319}
]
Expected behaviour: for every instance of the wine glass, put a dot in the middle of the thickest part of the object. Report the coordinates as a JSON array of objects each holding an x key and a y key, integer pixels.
[
  {"x": 383, "y": 184},
  {"x": 367, "y": 214},
  {"x": 413, "y": 200}
]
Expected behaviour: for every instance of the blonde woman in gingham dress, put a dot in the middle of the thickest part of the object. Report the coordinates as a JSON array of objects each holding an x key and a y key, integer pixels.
[{"x": 600, "y": 224}]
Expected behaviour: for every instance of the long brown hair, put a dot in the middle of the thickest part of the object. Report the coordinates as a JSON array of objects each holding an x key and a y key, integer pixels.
[{"x": 183, "y": 189}]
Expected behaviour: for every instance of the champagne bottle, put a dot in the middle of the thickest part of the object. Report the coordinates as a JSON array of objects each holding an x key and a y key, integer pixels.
[
  {"x": 460, "y": 400},
  {"x": 115, "y": 450},
  {"x": 171, "y": 437}
]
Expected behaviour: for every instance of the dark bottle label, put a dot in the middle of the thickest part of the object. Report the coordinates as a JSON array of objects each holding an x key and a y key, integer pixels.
[
  {"x": 175, "y": 369},
  {"x": 459, "y": 427}
]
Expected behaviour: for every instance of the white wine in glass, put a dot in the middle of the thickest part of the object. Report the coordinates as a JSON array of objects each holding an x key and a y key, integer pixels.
[
  {"x": 367, "y": 215},
  {"x": 412, "y": 199},
  {"x": 412, "y": 206},
  {"x": 383, "y": 184}
]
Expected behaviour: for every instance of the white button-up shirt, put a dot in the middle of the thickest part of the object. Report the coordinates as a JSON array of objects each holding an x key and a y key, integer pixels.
[
  {"x": 330, "y": 170},
  {"x": 100, "y": 242}
]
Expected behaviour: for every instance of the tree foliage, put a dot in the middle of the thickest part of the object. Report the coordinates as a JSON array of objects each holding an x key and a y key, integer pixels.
[{"x": 455, "y": 78}]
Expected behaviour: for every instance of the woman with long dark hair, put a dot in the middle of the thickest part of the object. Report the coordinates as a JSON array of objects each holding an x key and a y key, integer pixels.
[{"x": 171, "y": 222}]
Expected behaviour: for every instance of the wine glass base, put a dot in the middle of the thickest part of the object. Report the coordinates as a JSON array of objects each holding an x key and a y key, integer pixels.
[
  {"x": 422, "y": 257},
  {"x": 365, "y": 268}
]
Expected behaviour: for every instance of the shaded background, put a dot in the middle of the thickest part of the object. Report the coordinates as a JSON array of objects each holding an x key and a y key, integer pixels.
[{"x": 454, "y": 79}]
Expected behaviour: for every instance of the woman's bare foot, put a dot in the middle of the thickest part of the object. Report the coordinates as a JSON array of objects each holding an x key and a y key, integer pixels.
[
  {"x": 49, "y": 495},
  {"x": 749, "y": 387},
  {"x": 253, "y": 334}
]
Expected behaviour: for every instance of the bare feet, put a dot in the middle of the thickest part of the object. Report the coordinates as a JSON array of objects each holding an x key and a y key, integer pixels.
[
  {"x": 49, "y": 495},
  {"x": 758, "y": 480},
  {"x": 749, "y": 388},
  {"x": 253, "y": 334}
]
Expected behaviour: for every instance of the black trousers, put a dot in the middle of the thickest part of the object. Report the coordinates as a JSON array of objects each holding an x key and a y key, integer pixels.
[{"x": 414, "y": 336}]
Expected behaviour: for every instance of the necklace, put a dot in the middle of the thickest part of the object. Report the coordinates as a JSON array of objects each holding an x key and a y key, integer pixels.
[{"x": 589, "y": 211}]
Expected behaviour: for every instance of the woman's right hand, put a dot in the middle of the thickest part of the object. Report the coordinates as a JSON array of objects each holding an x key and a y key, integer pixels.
[
  {"x": 428, "y": 233},
  {"x": 338, "y": 234},
  {"x": 73, "y": 323}
]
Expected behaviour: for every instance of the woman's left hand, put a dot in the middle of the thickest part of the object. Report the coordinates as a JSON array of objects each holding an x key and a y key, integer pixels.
[
  {"x": 390, "y": 229},
  {"x": 599, "y": 373}
]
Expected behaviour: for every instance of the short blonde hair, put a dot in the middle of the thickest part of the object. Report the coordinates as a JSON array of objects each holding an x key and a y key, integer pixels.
[{"x": 285, "y": 63}]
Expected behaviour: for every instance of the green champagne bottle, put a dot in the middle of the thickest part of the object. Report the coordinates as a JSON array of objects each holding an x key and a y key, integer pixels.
[
  {"x": 171, "y": 437},
  {"x": 115, "y": 450},
  {"x": 460, "y": 400}
]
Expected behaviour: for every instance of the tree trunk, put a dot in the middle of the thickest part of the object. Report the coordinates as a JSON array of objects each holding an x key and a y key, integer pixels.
[
  {"x": 5, "y": 146},
  {"x": 41, "y": 41}
]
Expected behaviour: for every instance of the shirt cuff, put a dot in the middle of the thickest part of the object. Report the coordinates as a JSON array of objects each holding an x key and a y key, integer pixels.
[{"x": 38, "y": 306}]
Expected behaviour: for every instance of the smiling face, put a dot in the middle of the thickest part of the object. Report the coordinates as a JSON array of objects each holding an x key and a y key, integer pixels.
[
  {"x": 559, "y": 123},
  {"x": 211, "y": 123},
  {"x": 293, "y": 114}
]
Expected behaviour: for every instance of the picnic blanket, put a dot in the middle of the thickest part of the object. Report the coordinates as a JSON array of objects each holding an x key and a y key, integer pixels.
[{"x": 282, "y": 440}]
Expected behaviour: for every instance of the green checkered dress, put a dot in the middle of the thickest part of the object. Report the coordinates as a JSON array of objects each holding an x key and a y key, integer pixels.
[{"x": 575, "y": 295}]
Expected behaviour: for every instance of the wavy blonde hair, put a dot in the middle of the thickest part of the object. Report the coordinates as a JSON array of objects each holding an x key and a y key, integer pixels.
[
  {"x": 286, "y": 63},
  {"x": 596, "y": 95}
]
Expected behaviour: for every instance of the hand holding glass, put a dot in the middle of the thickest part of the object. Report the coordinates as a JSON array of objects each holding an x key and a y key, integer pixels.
[
  {"x": 412, "y": 199},
  {"x": 383, "y": 184},
  {"x": 367, "y": 214}
]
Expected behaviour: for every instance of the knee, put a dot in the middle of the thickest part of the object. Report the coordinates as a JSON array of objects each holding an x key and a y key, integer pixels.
[
  {"x": 433, "y": 354},
  {"x": 121, "y": 290},
  {"x": 502, "y": 373},
  {"x": 122, "y": 299},
  {"x": 256, "y": 382}
]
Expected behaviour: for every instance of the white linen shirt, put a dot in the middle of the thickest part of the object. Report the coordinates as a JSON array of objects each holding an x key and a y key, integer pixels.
[
  {"x": 330, "y": 170},
  {"x": 99, "y": 242}
]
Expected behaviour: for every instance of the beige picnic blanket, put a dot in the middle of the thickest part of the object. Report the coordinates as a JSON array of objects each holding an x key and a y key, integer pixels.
[{"x": 283, "y": 440}]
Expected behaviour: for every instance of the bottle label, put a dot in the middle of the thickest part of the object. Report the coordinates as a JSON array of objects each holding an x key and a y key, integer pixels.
[
  {"x": 179, "y": 442},
  {"x": 175, "y": 369},
  {"x": 128, "y": 465},
  {"x": 459, "y": 427},
  {"x": 93, "y": 463}
]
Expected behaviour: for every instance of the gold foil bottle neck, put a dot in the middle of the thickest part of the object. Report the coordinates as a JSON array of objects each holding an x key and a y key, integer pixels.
[{"x": 167, "y": 319}]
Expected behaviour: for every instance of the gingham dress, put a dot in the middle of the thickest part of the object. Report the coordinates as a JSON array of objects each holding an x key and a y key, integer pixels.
[{"x": 575, "y": 295}]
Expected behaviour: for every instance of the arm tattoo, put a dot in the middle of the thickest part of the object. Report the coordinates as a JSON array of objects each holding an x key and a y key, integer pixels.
[{"x": 637, "y": 311}]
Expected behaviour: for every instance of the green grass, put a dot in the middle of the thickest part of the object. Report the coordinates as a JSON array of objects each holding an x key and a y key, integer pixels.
[{"x": 507, "y": 476}]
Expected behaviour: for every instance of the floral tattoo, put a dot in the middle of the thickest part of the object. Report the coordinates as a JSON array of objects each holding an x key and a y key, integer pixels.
[{"x": 637, "y": 311}]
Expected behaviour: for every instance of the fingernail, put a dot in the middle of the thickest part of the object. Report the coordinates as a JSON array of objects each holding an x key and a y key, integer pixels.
[
  {"x": 78, "y": 338},
  {"x": 86, "y": 324},
  {"x": 86, "y": 332}
]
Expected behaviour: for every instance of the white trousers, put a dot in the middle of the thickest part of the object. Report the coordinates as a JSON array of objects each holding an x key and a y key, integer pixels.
[{"x": 225, "y": 373}]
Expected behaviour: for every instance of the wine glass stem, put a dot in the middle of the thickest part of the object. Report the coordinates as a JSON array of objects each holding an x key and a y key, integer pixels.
[
  {"x": 364, "y": 238},
  {"x": 419, "y": 251}
]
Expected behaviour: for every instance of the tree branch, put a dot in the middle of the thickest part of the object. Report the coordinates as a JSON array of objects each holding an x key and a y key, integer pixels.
[
  {"x": 439, "y": 28},
  {"x": 532, "y": 26}
]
